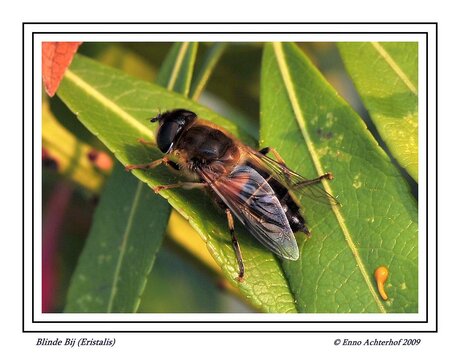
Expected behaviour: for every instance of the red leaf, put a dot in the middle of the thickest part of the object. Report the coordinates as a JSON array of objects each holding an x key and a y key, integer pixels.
[{"x": 56, "y": 57}]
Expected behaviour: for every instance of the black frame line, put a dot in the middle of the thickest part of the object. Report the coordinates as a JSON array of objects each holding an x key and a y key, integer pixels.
[
  {"x": 24, "y": 24},
  {"x": 228, "y": 33},
  {"x": 231, "y": 23}
]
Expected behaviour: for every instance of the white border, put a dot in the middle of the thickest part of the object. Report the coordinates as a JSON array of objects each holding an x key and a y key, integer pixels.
[{"x": 329, "y": 319}]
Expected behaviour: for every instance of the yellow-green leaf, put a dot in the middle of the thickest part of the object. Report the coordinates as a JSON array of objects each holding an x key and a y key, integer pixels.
[
  {"x": 386, "y": 77},
  {"x": 317, "y": 131}
]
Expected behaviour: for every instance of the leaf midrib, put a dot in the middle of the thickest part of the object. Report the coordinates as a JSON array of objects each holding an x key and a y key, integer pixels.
[
  {"x": 284, "y": 69},
  {"x": 177, "y": 67},
  {"x": 107, "y": 103},
  {"x": 394, "y": 66},
  {"x": 124, "y": 242}
]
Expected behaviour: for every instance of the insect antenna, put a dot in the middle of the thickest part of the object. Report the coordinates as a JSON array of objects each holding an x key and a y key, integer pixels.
[{"x": 157, "y": 117}]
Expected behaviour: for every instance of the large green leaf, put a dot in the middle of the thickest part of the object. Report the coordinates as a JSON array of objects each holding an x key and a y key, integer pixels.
[
  {"x": 120, "y": 249},
  {"x": 316, "y": 131},
  {"x": 386, "y": 77},
  {"x": 117, "y": 108}
]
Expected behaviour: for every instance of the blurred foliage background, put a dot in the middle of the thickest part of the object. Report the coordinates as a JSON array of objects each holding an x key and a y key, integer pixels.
[{"x": 76, "y": 165}]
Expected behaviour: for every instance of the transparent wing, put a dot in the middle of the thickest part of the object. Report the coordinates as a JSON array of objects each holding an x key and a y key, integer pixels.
[
  {"x": 290, "y": 179},
  {"x": 254, "y": 203}
]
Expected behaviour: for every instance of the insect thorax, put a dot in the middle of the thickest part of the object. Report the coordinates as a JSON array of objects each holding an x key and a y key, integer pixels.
[{"x": 202, "y": 145}]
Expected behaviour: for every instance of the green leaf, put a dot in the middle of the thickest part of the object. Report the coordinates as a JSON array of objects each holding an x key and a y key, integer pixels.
[
  {"x": 116, "y": 108},
  {"x": 315, "y": 131},
  {"x": 205, "y": 69},
  {"x": 120, "y": 250},
  {"x": 176, "y": 72},
  {"x": 386, "y": 77}
]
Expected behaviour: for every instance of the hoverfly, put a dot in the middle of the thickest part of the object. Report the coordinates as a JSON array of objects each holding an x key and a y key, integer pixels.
[{"x": 243, "y": 181}]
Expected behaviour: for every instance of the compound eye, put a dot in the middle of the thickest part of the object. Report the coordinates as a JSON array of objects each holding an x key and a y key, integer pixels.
[{"x": 166, "y": 135}]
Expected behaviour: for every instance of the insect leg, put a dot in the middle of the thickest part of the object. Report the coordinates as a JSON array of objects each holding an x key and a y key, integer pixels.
[
  {"x": 327, "y": 176},
  {"x": 235, "y": 244},
  {"x": 184, "y": 185},
  {"x": 173, "y": 165},
  {"x": 277, "y": 155},
  {"x": 147, "y": 143},
  {"x": 169, "y": 163},
  {"x": 278, "y": 158},
  {"x": 150, "y": 165}
]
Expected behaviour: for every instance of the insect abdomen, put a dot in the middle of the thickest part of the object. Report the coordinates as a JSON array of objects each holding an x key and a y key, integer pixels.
[{"x": 290, "y": 207}]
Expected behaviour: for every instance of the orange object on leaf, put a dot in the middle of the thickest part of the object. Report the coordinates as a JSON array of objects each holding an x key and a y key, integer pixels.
[{"x": 56, "y": 57}]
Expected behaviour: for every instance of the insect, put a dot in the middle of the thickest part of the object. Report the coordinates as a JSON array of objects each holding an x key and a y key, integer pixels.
[{"x": 246, "y": 183}]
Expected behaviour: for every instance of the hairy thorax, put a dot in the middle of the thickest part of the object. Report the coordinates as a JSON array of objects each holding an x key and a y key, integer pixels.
[{"x": 202, "y": 145}]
